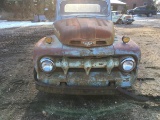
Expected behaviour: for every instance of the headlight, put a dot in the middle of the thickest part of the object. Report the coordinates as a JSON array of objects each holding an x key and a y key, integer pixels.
[
  {"x": 125, "y": 39},
  {"x": 47, "y": 64},
  {"x": 128, "y": 64}
]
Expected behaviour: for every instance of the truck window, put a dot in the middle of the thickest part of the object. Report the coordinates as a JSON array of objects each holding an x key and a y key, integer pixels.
[{"x": 93, "y": 8}]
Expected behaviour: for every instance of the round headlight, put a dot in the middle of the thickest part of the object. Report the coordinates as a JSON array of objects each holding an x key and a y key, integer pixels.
[
  {"x": 47, "y": 64},
  {"x": 128, "y": 64}
]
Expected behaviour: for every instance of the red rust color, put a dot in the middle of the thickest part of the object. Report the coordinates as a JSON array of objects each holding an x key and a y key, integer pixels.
[{"x": 85, "y": 29}]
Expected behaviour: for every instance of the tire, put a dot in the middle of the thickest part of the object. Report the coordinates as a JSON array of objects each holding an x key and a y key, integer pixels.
[
  {"x": 149, "y": 15},
  {"x": 125, "y": 23},
  {"x": 120, "y": 22}
]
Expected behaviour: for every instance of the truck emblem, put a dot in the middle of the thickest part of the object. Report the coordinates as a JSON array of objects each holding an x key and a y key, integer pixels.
[{"x": 88, "y": 43}]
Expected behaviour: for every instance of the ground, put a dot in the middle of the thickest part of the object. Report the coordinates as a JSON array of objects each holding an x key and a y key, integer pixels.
[{"x": 19, "y": 100}]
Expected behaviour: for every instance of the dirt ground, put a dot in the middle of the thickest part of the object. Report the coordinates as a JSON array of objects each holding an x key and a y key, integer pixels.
[{"x": 19, "y": 100}]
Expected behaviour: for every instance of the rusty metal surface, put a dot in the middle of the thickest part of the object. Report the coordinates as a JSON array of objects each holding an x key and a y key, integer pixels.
[
  {"x": 86, "y": 63},
  {"x": 95, "y": 51},
  {"x": 76, "y": 90},
  {"x": 86, "y": 32},
  {"x": 95, "y": 78},
  {"x": 57, "y": 49},
  {"x": 131, "y": 48}
]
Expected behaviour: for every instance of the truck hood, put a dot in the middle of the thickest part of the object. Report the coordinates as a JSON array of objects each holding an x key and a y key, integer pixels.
[{"x": 85, "y": 32}]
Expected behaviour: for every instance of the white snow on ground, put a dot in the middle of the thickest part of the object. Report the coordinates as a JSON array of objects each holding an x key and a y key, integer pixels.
[
  {"x": 145, "y": 18},
  {"x": 11, "y": 24}
]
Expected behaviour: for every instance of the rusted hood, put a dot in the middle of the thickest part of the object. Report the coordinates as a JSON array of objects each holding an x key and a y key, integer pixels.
[{"x": 86, "y": 32}]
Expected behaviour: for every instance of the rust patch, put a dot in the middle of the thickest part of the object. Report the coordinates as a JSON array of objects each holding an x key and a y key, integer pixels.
[
  {"x": 85, "y": 31},
  {"x": 131, "y": 48}
]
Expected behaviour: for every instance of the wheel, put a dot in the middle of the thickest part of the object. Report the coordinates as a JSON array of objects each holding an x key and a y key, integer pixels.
[
  {"x": 120, "y": 22},
  {"x": 125, "y": 23},
  {"x": 149, "y": 15}
]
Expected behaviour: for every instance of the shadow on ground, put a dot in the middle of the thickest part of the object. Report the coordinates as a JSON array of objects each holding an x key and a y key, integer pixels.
[{"x": 73, "y": 107}]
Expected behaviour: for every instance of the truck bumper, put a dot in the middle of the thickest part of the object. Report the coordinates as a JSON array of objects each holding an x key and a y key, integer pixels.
[
  {"x": 76, "y": 90},
  {"x": 97, "y": 82},
  {"x": 97, "y": 79}
]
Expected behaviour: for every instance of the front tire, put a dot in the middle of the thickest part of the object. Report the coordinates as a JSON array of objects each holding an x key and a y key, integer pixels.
[
  {"x": 149, "y": 15},
  {"x": 120, "y": 22}
]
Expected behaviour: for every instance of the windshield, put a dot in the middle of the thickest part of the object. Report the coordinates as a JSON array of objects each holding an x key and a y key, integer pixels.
[{"x": 70, "y": 7}]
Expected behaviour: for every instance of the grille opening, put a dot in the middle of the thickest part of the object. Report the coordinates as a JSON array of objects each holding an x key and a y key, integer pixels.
[
  {"x": 75, "y": 42},
  {"x": 98, "y": 70},
  {"x": 101, "y": 42},
  {"x": 112, "y": 83},
  {"x": 58, "y": 69},
  {"x": 63, "y": 84},
  {"x": 76, "y": 70}
]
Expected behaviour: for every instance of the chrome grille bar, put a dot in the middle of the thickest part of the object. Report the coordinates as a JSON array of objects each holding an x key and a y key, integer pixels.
[{"x": 87, "y": 64}]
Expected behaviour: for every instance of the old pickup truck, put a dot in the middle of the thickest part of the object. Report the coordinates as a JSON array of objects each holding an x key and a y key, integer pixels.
[
  {"x": 119, "y": 18},
  {"x": 84, "y": 55}
]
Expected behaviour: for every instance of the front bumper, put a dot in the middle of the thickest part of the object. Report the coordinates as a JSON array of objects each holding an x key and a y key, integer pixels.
[
  {"x": 96, "y": 86},
  {"x": 76, "y": 90},
  {"x": 97, "y": 79}
]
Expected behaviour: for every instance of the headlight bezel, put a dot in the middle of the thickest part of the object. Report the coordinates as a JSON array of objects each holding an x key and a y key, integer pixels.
[
  {"x": 125, "y": 59},
  {"x": 48, "y": 59}
]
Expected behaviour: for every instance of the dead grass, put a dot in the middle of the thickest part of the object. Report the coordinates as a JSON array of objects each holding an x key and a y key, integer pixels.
[{"x": 149, "y": 41}]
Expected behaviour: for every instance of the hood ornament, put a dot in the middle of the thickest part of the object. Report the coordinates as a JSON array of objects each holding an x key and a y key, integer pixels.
[{"x": 88, "y": 43}]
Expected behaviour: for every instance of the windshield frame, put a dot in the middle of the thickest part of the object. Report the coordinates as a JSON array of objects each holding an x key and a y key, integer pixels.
[
  {"x": 58, "y": 15},
  {"x": 99, "y": 2}
]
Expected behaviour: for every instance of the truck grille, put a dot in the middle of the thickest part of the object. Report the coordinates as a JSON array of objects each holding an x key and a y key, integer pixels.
[{"x": 87, "y": 64}]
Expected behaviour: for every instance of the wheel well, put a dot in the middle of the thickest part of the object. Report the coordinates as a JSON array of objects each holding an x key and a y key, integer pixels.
[{"x": 35, "y": 74}]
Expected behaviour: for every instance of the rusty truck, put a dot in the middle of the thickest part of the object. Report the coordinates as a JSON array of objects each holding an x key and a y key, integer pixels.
[{"x": 84, "y": 55}]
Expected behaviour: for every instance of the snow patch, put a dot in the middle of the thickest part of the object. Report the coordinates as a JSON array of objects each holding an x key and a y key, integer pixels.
[{"x": 12, "y": 24}]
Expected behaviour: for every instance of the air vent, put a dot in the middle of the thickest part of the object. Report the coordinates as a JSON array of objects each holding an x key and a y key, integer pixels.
[
  {"x": 101, "y": 42},
  {"x": 75, "y": 42}
]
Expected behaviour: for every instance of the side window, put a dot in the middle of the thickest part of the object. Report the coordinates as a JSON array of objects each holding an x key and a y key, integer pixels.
[
  {"x": 138, "y": 9},
  {"x": 143, "y": 8}
]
